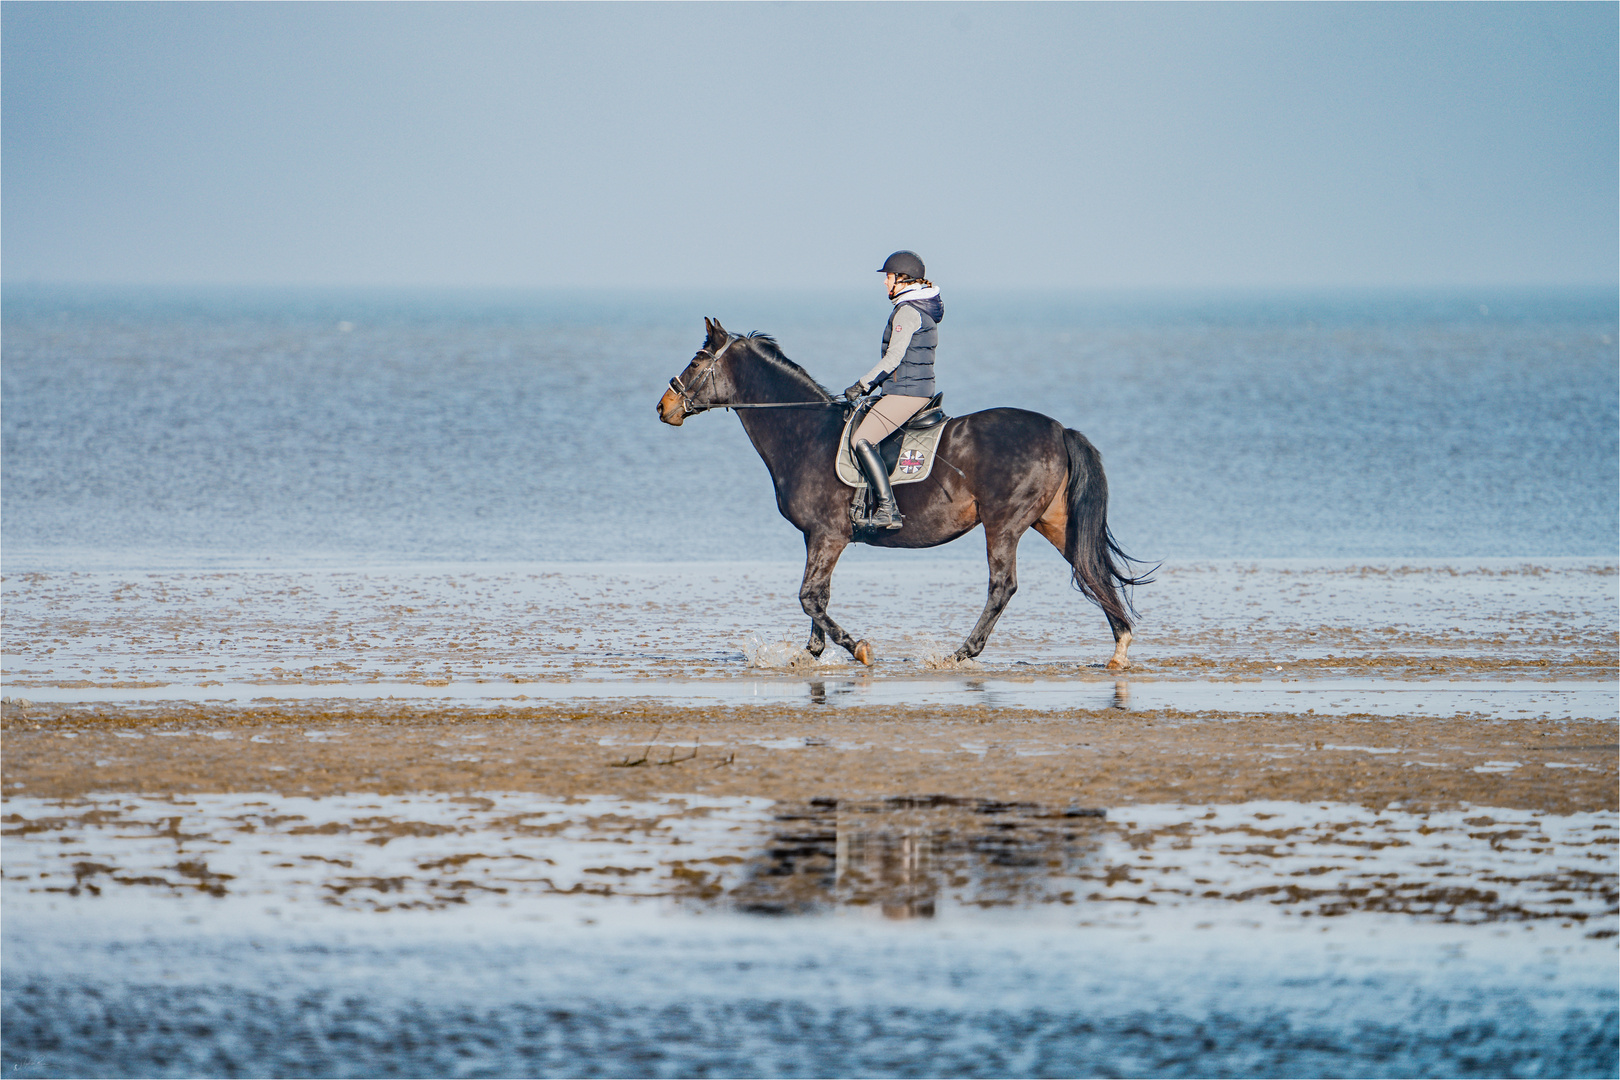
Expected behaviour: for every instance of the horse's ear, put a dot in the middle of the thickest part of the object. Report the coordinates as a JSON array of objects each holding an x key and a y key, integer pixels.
[{"x": 717, "y": 333}]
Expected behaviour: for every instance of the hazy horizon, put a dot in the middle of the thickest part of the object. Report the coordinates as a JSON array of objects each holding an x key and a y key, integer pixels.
[{"x": 1097, "y": 148}]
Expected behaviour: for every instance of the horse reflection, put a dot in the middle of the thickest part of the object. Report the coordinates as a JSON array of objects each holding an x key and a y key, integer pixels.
[
  {"x": 905, "y": 857},
  {"x": 894, "y": 871}
]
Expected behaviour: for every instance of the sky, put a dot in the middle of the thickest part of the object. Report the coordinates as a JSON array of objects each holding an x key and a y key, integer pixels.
[{"x": 793, "y": 146}]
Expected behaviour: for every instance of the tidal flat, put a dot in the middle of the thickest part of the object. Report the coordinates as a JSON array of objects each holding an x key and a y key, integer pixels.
[{"x": 1339, "y": 818}]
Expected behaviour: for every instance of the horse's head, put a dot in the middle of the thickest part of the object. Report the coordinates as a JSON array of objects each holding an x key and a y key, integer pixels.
[{"x": 703, "y": 384}]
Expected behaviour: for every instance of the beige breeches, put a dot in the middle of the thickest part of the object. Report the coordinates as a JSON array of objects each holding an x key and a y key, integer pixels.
[{"x": 890, "y": 412}]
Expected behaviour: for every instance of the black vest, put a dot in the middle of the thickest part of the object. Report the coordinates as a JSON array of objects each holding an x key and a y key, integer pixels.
[{"x": 915, "y": 375}]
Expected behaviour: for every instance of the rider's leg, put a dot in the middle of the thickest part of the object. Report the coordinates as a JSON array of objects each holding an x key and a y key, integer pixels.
[
  {"x": 888, "y": 413},
  {"x": 886, "y": 514}
]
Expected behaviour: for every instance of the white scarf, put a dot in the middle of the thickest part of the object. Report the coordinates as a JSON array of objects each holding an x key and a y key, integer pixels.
[{"x": 916, "y": 292}]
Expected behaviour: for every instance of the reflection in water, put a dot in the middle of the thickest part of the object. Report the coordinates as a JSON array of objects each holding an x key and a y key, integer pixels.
[
  {"x": 896, "y": 870},
  {"x": 998, "y": 695},
  {"x": 905, "y": 856}
]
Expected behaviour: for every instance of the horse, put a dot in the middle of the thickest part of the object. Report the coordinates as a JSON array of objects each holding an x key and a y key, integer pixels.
[{"x": 1008, "y": 469}]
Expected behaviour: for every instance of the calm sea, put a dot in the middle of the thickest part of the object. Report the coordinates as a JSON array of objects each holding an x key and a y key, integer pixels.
[{"x": 204, "y": 428}]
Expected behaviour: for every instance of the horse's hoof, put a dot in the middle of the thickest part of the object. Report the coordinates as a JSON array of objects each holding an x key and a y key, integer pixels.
[
  {"x": 863, "y": 652},
  {"x": 1116, "y": 664}
]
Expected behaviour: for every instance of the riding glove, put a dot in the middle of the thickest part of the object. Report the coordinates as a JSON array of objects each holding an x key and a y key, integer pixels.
[{"x": 855, "y": 391}]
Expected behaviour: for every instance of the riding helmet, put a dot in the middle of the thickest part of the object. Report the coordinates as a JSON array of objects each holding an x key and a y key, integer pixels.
[{"x": 905, "y": 263}]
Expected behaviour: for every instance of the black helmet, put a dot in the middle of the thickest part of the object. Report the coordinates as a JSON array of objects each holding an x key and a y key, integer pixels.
[{"x": 906, "y": 263}]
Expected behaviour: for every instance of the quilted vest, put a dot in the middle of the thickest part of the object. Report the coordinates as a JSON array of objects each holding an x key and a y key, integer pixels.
[{"x": 915, "y": 375}]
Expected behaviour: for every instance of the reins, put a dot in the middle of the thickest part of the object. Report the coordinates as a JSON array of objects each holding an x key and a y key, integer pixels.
[
  {"x": 693, "y": 408},
  {"x": 779, "y": 405}
]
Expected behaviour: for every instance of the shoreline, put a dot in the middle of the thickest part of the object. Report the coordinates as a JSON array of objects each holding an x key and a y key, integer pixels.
[{"x": 700, "y": 621}]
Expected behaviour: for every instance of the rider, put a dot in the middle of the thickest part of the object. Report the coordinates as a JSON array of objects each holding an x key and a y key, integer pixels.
[{"x": 906, "y": 373}]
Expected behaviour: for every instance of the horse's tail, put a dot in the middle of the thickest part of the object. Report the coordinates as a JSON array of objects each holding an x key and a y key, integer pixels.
[{"x": 1088, "y": 544}]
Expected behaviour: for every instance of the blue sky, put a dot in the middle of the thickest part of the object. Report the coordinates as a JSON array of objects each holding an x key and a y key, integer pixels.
[{"x": 794, "y": 145}]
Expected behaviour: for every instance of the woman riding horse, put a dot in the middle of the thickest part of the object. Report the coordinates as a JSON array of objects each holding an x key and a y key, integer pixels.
[
  {"x": 906, "y": 374},
  {"x": 1008, "y": 470}
]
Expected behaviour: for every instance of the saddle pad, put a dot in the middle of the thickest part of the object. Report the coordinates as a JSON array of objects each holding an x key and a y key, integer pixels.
[{"x": 915, "y": 463}]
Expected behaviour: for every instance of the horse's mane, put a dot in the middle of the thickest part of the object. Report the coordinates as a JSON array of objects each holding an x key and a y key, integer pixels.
[{"x": 765, "y": 347}]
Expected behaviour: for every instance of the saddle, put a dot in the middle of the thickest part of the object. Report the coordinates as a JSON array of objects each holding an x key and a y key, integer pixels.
[{"x": 907, "y": 452}]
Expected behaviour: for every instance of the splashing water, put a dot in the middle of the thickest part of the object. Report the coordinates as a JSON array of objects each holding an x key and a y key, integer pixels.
[
  {"x": 936, "y": 655},
  {"x": 779, "y": 655}
]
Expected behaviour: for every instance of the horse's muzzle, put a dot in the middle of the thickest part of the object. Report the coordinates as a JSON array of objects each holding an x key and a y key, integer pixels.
[{"x": 671, "y": 409}]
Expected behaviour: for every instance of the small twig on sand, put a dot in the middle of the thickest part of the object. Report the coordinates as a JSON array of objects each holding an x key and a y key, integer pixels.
[
  {"x": 645, "y": 754},
  {"x": 729, "y": 759},
  {"x": 673, "y": 760}
]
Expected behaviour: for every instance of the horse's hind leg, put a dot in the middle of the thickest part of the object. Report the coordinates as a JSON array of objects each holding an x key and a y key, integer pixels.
[
  {"x": 1003, "y": 556},
  {"x": 1122, "y": 645},
  {"x": 1053, "y": 525},
  {"x": 820, "y": 556}
]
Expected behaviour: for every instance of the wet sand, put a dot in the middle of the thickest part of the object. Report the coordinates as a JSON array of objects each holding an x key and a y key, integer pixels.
[{"x": 787, "y": 752}]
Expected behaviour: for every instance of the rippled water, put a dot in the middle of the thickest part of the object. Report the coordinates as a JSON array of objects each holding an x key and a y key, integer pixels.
[{"x": 144, "y": 428}]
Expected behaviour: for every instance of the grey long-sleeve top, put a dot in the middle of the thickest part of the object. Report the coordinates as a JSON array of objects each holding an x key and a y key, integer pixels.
[{"x": 903, "y": 325}]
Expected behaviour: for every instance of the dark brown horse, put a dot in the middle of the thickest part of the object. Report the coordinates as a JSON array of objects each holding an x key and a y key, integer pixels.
[{"x": 1008, "y": 469}]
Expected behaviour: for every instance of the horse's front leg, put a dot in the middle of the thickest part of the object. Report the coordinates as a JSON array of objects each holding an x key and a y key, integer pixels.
[
  {"x": 1003, "y": 554},
  {"x": 821, "y": 553}
]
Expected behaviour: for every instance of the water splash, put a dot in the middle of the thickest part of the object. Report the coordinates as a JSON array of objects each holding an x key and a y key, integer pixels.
[
  {"x": 935, "y": 655},
  {"x": 776, "y": 655}
]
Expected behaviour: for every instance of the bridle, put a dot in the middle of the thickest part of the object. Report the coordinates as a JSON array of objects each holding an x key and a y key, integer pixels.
[{"x": 693, "y": 408}]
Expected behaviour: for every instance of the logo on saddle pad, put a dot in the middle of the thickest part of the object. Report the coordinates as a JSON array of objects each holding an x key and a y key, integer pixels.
[{"x": 911, "y": 461}]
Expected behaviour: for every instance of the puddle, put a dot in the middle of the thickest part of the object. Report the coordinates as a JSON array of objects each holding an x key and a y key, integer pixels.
[{"x": 1337, "y": 697}]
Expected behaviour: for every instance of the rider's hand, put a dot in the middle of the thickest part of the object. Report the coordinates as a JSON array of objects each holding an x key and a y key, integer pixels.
[{"x": 855, "y": 391}]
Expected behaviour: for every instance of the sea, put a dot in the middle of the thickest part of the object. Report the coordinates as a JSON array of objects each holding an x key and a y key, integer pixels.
[
  {"x": 198, "y": 428},
  {"x": 467, "y": 497}
]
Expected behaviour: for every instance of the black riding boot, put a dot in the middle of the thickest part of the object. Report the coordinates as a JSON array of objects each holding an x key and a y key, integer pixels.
[{"x": 886, "y": 514}]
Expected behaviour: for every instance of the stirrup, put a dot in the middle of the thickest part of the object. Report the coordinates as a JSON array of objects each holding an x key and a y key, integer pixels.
[
  {"x": 879, "y": 517},
  {"x": 884, "y": 517}
]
